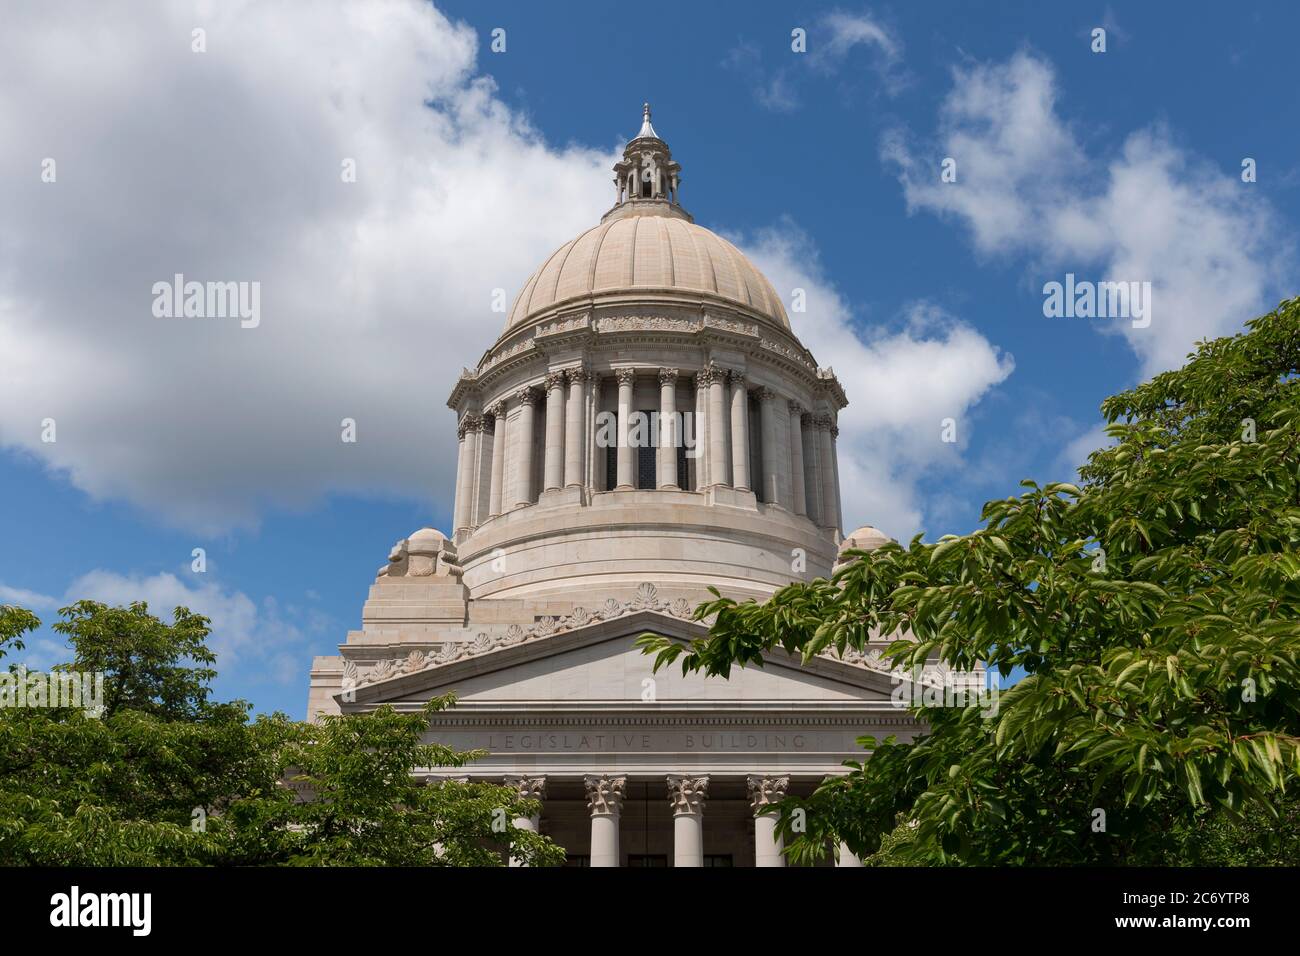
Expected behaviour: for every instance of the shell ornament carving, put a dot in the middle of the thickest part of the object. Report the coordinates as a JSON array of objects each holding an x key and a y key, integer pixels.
[{"x": 646, "y": 598}]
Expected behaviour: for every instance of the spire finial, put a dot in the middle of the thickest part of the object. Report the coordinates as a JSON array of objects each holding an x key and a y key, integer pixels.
[{"x": 646, "y": 128}]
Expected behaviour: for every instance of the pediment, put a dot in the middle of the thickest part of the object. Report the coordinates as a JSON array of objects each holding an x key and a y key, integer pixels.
[{"x": 600, "y": 664}]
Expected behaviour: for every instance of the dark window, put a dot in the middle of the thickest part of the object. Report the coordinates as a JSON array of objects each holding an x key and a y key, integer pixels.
[
  {"x": 683, "y": 471},
  {"x": 611, "y": 468},
  {"x": 574, "y": 859},
  {"x": 647, "y": 467},
  {"x": 647, "y": 860},
  {"x": 717, "y": 859}
]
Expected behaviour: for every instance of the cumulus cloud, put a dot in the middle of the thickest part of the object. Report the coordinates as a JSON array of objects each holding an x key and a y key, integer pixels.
[
  {"x": 256, "y": 641},
  {"x": 902, "y": 380},
  {"x": 1027, "y": 186},
  {"x": 32, "y": 600},
  {"x": 227, "y": 165}
]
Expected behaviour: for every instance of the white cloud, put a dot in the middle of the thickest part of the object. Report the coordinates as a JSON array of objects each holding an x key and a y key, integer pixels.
[
  {"x": 256, "y": 641},
  {"x": 226, "y": 165},
  {"x": 1027, "y": 186},
  {"x": 31, "y": 600},
  {"x": 902, "y": 382},
  {"x": 831, "y": 42}
]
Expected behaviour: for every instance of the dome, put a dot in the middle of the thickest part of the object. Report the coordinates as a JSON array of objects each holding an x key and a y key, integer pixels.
[
  {"x": 648, "y": 250},
  {"x": 426, "y": 539},
  {"x": 865, "y": 538}
]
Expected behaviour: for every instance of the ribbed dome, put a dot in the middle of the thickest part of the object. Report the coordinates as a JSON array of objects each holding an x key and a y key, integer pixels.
[{"x": 647, "y": 252}]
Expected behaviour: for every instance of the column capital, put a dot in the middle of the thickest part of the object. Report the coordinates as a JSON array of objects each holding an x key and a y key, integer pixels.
[
  {"x": 470, "y": 423},
  {"x": 605, "y": 794},
  {"x": 577, "y": 376},
  {"x": 527, "y": 395},
  {"x": 554, "y": 379},
  {"x": 797, "y": 410},
  {"x": 527, "y": 788},
  {"x": 704, "y": 377},
  {"x": 625, "y": 376},
  {"x": 497, "y": 410},
  {"x": 668, "y": 376},
  {"x": 765, "y": 394},
  {"x": 736, "y": 377},
  {"x": 766, "y": 791},
  {"x": 687, "y": 794}
]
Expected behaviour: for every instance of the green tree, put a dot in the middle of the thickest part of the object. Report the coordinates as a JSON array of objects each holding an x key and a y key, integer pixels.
[
  {"x": 166, "y": 777},
  {"x": 1153, "y": 610}
]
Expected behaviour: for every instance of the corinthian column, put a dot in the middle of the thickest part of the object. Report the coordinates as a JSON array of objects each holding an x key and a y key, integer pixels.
[
  {"x": 605, "y": 800},
  {"x": 798, "y": 504},
  {"x": 553, "y": 467},
  {"x": 771, "y": 479},
  {"x": 473, "y": 433},
  {"x": 719, "y": 468},
  {"x": 812, "y": 473},
  {"x": 668, "y": 431},
  {"x": 766, "y": 792},
  {"x": 826, "y": 461},
  {"x": 461, "y": 509},
  {"x": 739, "y": 431},
  {"x": 626, "y": 453},
  {"x": 524, "y": 449},
  {"x": 527, "y": 788},
  {"x": 687, "y": 796},
  {"x": 700, "y": 433},
  {"x": 573, "y": 438},
  {"x": 498, "y": 457}
]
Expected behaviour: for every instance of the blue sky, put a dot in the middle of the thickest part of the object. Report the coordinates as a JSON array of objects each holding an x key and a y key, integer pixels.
[{"x": 823, "y": 166}]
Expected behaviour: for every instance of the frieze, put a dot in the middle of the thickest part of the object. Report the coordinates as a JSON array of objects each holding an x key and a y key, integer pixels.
[
  {"x": 563, "y": 325},
  {"x": 523, "y": 345},
  {"x": 646, "y": 323},
  {"x": 786, "y": 351},
  {"x": 731, "y": 325},
  {"x": 646, "y": 599}
]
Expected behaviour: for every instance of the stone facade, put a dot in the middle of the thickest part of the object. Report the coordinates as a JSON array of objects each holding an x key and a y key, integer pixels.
[{"x": 647, "y": 426}]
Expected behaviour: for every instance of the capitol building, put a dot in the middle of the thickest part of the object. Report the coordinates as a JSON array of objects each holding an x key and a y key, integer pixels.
[{"x": 646, "y": 426}]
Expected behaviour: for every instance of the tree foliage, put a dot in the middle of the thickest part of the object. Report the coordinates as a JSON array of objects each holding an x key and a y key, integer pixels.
[
  {"x": 1153, "y": 611},
  {"x": 167, "y": 777}
]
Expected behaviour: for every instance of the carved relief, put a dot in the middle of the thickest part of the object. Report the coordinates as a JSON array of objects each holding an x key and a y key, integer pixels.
[
  {"x": 646, "y": 599},
  {"x": 528, "y": 788},
  {"x": 786, "y": 351},
  {"x": 646, "y": 323},
  {"x": 687, "y": 794},
  {"x": 563, "y": 325},
  {"x": 766, "y": 791},
  {"x": 730, "y": 325},
  {"x": 605, "y": 794}
]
